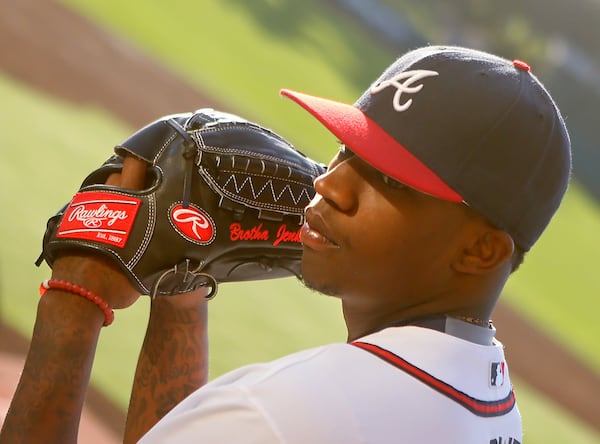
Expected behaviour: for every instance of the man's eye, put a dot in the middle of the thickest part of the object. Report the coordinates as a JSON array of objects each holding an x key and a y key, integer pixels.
[{"x": 392, "y": 183}]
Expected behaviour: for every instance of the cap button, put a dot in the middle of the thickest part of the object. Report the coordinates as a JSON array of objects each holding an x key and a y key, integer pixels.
[{"x": 523, "y": 66}]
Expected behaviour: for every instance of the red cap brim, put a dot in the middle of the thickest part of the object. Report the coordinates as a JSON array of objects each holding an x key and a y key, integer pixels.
[{"x": 371, "y": 143}]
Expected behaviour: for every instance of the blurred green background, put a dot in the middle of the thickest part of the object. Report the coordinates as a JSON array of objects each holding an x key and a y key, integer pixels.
[{"x": 242, "y": 52}]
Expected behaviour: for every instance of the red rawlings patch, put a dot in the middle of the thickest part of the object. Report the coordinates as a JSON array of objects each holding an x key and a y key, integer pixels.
[
  {"x": 99, "y": 216},
  {"x": 193, "y": 224}
]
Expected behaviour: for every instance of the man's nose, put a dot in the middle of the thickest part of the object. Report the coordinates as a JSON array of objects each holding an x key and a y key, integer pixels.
[{"x": 339, "y": 186}]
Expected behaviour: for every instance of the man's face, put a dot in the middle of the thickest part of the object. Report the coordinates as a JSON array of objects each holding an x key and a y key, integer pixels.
[{"x": 371, "y": 240}]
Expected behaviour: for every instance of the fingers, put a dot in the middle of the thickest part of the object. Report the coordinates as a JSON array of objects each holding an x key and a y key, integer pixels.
[
  {"x": 114, "y": 179},
  {"x": 132, "y": 176}
]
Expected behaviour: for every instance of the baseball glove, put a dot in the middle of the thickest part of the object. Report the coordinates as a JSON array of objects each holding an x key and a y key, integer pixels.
[{"x": 224, "y": 201}]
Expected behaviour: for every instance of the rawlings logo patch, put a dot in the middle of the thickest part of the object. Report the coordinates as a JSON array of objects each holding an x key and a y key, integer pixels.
[
  {"x": 99, "y": 216},
  {"x": 193, "y": 224}
]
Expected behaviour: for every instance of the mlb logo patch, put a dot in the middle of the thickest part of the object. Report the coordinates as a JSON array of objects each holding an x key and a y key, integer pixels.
[{"x": 497, "y": 373}]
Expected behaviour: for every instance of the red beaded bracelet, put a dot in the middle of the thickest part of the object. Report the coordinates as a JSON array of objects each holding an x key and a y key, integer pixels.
[{"x": 58, "y": 284}]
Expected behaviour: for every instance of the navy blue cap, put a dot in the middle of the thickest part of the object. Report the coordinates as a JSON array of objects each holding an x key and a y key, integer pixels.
[{"x": 464, "y": 126}]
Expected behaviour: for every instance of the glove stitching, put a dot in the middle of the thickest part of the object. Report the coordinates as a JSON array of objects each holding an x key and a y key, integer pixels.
[
  {"x": 253, "y": 155},
  {"x": 268, "y": 184},
  {"x": 285, "y": 179},
  {"x": 151, "y": 201},
  {"x": 248, "y": 202},
  {"x": 200, "y": 141},
  {"x": 248, "y": 126},
  {"x": 164, "y": 147}
]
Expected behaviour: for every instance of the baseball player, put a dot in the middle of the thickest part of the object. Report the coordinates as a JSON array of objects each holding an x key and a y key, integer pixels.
[{"x": 451, "y": 165}]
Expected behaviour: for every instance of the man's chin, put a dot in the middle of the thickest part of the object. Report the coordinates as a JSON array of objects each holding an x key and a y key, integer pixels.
[
  {"x": 320, "y": 287},
  {"x": 316, "y": 277}
]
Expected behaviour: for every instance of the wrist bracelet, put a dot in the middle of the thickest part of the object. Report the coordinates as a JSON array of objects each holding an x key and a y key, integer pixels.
[{"x": 58, "y": 284}]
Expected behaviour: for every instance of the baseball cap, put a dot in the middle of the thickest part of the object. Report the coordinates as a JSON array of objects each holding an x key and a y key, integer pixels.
[{"x": 461, "y": 125}]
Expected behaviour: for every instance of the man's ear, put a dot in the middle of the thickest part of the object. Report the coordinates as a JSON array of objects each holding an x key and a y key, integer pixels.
[{"x": 487, "y": 252}]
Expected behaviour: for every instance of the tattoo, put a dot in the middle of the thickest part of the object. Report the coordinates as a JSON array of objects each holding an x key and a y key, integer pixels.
[
  {"x": 173, "y": 364},
  {"x": 48, "y": 401}
]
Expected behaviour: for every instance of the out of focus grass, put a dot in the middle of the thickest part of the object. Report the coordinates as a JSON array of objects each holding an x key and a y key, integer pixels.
[
  {"x": 243, "y": 52},
  {"x": 559, "y": 284}
]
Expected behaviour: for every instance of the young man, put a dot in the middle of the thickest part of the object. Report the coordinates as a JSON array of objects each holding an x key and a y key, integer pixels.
[{"x": 452, "y": 164}]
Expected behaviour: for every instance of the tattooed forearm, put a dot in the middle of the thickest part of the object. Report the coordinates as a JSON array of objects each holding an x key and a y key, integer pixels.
[
  {"x": 47, "y": 404},
  {"x": 48, "y": 401},
  {"x": 173, "y": 361}
]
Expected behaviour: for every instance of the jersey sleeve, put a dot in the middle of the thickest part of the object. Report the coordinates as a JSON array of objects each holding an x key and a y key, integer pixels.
[{"x": 224, "y": 414}]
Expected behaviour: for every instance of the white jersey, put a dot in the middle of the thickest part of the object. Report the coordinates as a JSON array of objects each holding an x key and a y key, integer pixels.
[{"x": 400, "y": 385}]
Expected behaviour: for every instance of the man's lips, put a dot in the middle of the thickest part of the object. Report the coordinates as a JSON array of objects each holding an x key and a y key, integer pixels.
[{"x": 314, "y": 234}]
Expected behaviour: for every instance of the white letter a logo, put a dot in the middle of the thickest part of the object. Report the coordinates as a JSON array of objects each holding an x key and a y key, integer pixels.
[{"x": 403, "y": 84}]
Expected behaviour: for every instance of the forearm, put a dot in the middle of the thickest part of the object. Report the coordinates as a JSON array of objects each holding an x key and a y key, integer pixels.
[
  {"x": 47, "y": 404},
  {"x": 48, "y": 401},
  {"x": 173, "y": 361}
]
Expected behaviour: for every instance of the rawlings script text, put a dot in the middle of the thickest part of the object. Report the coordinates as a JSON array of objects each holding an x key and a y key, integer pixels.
[
  {"x": 100, "y": 217},
  {"x": 94, "y": 218}
]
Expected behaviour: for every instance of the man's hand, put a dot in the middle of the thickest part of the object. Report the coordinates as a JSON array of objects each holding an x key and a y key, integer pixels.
[{"x": 96, "y": 272}]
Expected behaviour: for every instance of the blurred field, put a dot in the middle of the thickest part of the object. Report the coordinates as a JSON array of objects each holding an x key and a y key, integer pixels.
[
  {"x": 244, "y": 52},
  {"x": 559, "y": 284},
  {"x": 557, "y": 287}
]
